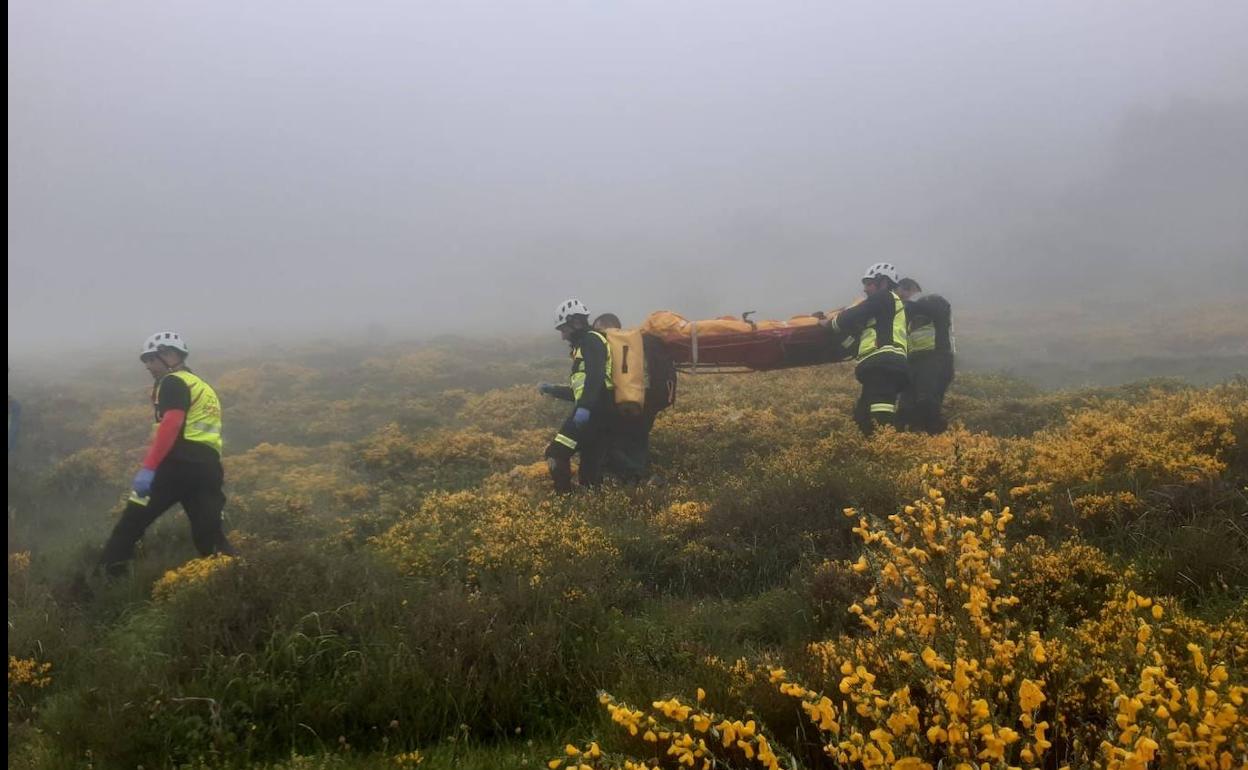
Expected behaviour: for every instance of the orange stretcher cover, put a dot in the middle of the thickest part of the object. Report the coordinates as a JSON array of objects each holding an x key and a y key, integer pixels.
[{"x": 761, "y": 345}]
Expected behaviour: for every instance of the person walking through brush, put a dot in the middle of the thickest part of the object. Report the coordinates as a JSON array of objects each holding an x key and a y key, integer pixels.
[
  {"x": 585, "y": 431},
  {"x": 880, "y": 323},
  {"x": 628, "y": 437},
  {"x": 931, "y": 350},
  {"x": 627, "y": 452},
  {"x": 183, "y": 463}
]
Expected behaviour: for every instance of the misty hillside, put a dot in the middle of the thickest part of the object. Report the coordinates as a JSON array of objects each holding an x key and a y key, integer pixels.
[
  {"x": 323, "y": 454},
  {"x": 408, "y": 590}
]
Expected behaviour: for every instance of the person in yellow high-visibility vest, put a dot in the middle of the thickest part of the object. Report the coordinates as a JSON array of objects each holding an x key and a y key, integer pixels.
[
  {"x": 183, "y": 463},
  {"x": 931, "y": 353},
  {"x": 593, "y": 400},
  {"x": 880, "y": 323}
]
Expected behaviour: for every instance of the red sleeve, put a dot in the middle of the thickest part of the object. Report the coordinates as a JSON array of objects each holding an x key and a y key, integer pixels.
[{"x": 168, "y": 432}]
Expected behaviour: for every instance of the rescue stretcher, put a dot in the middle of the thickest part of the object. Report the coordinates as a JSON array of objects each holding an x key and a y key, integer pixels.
[{"x": 729, "y": 345}]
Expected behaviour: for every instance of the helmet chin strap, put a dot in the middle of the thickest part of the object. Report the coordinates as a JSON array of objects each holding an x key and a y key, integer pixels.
[
  {"x": 157, "y": 375},
  {"x": 161, "y": 357}
]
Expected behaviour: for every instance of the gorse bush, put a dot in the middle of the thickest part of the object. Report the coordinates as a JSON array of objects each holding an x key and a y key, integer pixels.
[
  {"x": 511, "y": 539},
  {"x": 947, "y": 671},
  {"x": 1060, "y": 579}
]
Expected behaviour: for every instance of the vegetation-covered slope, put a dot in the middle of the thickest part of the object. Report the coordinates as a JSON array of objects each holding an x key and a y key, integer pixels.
[{"x": 1060, "y": 580}]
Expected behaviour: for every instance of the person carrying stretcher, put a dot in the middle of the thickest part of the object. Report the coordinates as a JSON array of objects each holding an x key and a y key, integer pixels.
[
  {"x": 591, "y": 388},
  {"x": 931, "y": 351},
  {"x": 880, "y": 323}
]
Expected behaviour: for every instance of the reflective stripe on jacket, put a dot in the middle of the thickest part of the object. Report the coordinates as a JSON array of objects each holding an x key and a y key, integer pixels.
[{"x": 882, "y": 319}]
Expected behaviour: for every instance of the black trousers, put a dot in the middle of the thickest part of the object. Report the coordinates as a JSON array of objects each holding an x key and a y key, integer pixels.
[
  {"x": 922, "y": 404},
  {"x": 590, "y": 443},
  {"x": 881, "y": 387},
  {"x": 628, "y": 447},
  {"x": 194, "y": 485}
]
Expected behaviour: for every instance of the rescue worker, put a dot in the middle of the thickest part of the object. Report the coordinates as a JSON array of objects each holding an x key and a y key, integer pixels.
[
  {"x": 931, "y": 352},
  {"x": 627, "y": 454},
  {"x": 880, "y": 323},
  {"x": 183, "y": 463},
  {"x": 628, "y": 437},
  {"x": 593, "y": 401}
]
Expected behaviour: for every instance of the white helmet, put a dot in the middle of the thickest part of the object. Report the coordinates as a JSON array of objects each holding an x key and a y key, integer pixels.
[
  {"x": 567, "y": 309},
  {"x": 886, "y": 269},
  {"x": 164, "y": 340}
]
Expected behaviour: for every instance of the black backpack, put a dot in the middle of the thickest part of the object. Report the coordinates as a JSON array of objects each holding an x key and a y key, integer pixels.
[{"x": 660, "y": 375}]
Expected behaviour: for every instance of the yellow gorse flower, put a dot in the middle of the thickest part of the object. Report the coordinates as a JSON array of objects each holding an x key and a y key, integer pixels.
[
  {"x": 939, "y": 618},
  {"x": 28, "y": 672},
  {"x": 194, "y": 572}
]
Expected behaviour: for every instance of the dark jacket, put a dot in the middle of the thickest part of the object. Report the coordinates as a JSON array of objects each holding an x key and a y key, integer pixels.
[
  {"x": 933, "y": 310},
  {"x": 874, "y": 321},
  {"x": 593, "y": 356}
]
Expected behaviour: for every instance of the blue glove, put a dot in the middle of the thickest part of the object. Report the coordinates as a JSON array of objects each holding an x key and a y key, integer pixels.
[
  {"x": 143, "y": 482},
  {"x": 580, "y": 417}
]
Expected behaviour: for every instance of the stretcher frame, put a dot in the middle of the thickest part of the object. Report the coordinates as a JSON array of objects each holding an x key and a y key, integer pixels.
[
  {"x": 763, "y": 338},
  {"x": 696, "y": 367}
]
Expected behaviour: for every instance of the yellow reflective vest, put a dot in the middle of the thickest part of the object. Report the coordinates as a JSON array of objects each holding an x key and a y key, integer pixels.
[
  {"x": 931, "y": 325},
  {"x": 886, "y": 333},
  {"x": 577, "y": 381},
  {"x": 203, "y": 420},
  {"x": 922, "y": 337},
  {"x": 578, "y": 369}
]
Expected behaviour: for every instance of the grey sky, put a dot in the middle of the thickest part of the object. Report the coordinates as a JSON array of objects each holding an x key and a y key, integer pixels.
[{"x": 224, "y": 167}]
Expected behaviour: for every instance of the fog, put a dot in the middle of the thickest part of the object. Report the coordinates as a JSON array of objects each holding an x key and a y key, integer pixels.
[{"x": 234, "y": 170}]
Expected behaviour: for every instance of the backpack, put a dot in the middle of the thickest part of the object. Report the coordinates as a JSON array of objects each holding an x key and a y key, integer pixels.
[
  {"x": 628, "y": 370},
  {"x": 660, "y": 375},
  {"x": 642, "y": 371}
]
